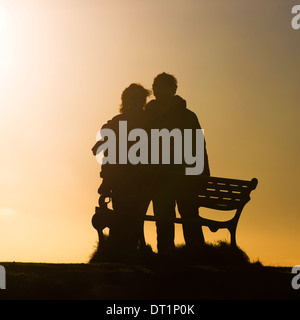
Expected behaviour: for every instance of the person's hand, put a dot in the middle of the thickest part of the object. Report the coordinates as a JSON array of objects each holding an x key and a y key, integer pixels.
[{"x": 95, "y": 147}]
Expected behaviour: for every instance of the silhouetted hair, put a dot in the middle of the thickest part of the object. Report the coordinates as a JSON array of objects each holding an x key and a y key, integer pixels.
[
  {"x": 164, "y": 83},
  {"x": 134, "y": 97}
]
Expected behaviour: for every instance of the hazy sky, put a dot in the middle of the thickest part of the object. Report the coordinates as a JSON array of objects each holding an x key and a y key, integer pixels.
[{"x": 63, "y": 67}]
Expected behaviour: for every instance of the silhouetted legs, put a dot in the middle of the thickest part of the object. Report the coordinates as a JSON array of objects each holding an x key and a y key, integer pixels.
[
  {"x": 125, "y": 232},
  {"x": 164, "y": 208},
  {"x": 188, "y": 209},
  {"x": 172, "y": 190}
]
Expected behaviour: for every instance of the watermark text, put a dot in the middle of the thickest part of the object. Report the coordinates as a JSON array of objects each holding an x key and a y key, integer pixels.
[
  {"x": 2, "y": 278},
  {"x": 165, "y": 146}
]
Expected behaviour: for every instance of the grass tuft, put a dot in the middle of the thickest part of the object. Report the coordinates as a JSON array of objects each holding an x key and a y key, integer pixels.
[{"x": 216, "y": 254}]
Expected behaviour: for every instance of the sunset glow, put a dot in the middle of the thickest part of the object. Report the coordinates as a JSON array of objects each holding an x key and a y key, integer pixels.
[{"x": 63, "y": 67}]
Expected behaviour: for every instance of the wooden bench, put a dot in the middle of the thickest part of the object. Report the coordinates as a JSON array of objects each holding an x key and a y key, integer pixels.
[{"x": 213, "y": 192}]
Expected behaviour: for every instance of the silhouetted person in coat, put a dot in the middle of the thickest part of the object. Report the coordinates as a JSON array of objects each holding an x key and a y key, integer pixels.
[
  {"x": 128, "y": 183},
  {"x": 172, "y": 185}
]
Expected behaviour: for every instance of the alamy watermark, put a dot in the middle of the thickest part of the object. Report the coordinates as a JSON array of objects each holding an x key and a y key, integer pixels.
[
  {"x": 296, "y": 19},
  {"x": 188, "y": 145},
  {"x": 296, "y": 278},
  {"x": 2, "y": 278}
]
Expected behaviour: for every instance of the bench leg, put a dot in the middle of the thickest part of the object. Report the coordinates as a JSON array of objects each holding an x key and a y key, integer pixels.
[
  {"x": 141, "y": 240},
  {"x": 232, "y": 231},
  {"x": 101, "y": 237},
  {"x": 233, "y": 226}
]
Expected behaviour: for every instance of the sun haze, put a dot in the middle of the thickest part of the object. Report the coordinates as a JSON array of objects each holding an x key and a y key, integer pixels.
[{"x": 63, "y": 67}]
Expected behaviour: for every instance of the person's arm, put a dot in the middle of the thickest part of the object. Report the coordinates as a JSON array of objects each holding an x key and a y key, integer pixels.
[
  {"x": 96, "y": 146},
  {"x": 108, "y": 171},
  {"x": 196, "y": 125},
  {"x": 107, "y": 125}
]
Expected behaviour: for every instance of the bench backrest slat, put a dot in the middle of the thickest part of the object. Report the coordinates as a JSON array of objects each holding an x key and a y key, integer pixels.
[{"x": 222, "y": 193}]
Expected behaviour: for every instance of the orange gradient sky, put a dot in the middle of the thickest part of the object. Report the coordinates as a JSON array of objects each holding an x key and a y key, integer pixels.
[{"x": 63, "y": 66}]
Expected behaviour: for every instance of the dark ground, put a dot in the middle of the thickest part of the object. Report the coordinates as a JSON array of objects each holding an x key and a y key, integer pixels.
[
  {"x": 121, "y": 281},
  {"x": 172, "y": 278}
]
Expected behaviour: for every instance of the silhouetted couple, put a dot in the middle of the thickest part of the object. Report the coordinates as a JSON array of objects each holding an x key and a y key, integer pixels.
[{"x": 133, "y": 186}]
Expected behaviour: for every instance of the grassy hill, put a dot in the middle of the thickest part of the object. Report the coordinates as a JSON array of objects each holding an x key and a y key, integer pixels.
[{"x": 219, "y": 274}]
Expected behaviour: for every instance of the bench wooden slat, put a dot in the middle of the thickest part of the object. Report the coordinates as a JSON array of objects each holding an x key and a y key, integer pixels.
[
  {"x": 201, "y": 221},
  {"x": 223, "y": 187},
  {"x": 222, "y": 195},
  {"x": 219, "y": 205},
  {"x": 234, "y": 182},
  {"x": 224, "y": 184}
]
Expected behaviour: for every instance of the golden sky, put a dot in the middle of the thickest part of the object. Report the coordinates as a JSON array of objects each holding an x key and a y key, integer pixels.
[{"x": 63, "y": 67}]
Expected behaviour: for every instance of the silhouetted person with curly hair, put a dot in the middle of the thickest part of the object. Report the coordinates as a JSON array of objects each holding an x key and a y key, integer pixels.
[{"x": 127, "y": 183}]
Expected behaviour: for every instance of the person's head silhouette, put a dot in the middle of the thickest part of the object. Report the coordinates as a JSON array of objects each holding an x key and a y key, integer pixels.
[
  {"x": 134, "y": 98},
  {"x": 164, "y": 86}
]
